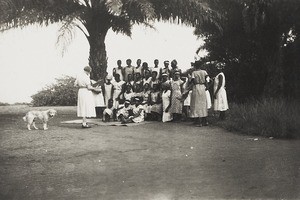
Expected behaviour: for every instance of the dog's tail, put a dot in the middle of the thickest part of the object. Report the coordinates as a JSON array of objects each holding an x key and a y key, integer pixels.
[{"x": 24, "y": 118}]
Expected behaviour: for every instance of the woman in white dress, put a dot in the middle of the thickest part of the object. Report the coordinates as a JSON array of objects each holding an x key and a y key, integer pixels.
[
  {"x": 156, "y": 102},
  {"x": 85, "y": 102},
  {"x": 166, "y": 102},
  {"x": 220, "y": 96},
  {"x": 198, "y": 96},
  {"x": 208, "y": 98},
  {"x": 108, "y": 89},
  {"x": 187, "y": 102},
  {"x": 99, "y": 98},
  {"x": 117, "y": 90}
]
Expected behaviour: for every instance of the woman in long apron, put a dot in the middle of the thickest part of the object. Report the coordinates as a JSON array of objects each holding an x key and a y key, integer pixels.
[
  {"x": 198, "y": 96},
  {"x": 85, "y": 102}
]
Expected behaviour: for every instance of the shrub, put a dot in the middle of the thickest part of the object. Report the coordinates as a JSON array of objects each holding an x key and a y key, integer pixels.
[
  {"x": 277, "y": 118},
  {"x": 62, "y": 93},
  {"x": 4, "y": 104}
]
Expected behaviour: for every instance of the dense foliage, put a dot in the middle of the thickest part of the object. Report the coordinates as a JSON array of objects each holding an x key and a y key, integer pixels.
[
  {"x": 259, "y": 44},
  {"x": 61, "y": 93}
]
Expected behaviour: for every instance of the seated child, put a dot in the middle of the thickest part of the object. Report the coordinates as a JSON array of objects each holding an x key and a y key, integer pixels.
[
  {"x": 108, "y": 112},
  {"x": 138, "y": 113},
  {"x": 125, "y": 111}
]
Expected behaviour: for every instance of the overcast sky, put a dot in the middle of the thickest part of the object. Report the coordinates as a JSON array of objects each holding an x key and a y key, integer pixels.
[{"x": 30, "y": 58}]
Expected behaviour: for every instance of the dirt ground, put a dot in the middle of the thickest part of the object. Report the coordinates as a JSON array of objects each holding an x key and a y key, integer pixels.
[{"x": 163, "y": 161}]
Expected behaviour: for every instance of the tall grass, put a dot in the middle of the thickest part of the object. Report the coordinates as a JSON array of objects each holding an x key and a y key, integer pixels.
[{"x": 278, "y": 118}]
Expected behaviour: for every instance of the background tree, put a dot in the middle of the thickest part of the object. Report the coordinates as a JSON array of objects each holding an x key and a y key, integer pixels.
[
  {"x": 61, "y": 93},
  {"x": 258, "y": 43},
  {"x": 95, "y": 17}
]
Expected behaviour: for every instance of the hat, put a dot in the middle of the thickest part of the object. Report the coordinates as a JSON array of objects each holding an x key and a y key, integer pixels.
[
  {"x": 166, "y": 62},
  {"x": 164, "y": 74},
  {"x": 127, "y": 101},
  {"x": 108, "y": 77},
  {"x": 177, "y": 72}
]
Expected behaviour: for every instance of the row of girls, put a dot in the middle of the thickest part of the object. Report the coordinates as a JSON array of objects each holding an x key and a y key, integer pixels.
[{"x": 160, "y": 94}]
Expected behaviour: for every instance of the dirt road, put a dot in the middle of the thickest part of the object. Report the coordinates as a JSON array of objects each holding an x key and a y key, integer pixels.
[{"x": 151, "y": 161}]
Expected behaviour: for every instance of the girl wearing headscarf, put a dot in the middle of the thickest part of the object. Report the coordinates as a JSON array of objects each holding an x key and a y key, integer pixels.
[{"x": 85, "y": 102}]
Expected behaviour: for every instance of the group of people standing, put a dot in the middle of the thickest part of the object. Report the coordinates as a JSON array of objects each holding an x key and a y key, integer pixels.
[{"x": 134, "y": 94}]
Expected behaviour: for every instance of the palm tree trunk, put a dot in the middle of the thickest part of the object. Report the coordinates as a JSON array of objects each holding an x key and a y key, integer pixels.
[{"x": 98, "y": 58}]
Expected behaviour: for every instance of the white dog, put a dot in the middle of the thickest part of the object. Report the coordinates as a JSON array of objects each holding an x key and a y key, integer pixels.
[{"x": 42, "y": 115}]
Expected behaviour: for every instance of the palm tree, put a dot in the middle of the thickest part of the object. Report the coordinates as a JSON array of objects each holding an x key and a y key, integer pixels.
[{"x": 95, "y": 17}]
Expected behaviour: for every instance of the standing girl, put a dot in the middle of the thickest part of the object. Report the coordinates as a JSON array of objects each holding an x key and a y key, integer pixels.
[
  {"x": 156, "y": 103},
  {"x": 117, "y": 90},
  {"x": 220, "y": 96},
  {"x": 166, "y": 102},
  {"x": 98, "y": 97},
  {"x": 107, "y": 90},
  {"x": 176, "y": 95},
  {"x": 146, "y": 100}
]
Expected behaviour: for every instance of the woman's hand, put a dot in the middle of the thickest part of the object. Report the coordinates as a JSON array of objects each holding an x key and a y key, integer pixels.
[{"x": 89, "y": 87}]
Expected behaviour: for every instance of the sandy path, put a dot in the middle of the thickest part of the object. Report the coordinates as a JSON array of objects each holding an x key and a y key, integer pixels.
[{"x": 151, "y": 161}]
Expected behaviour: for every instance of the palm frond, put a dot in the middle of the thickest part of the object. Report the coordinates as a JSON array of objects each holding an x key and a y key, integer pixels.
[
  {"x": 121, "y": 25},
  {"x": 20, "y": 13},
  {"x": 189, "y": 12},
  {"x": 66, "y": 34}
]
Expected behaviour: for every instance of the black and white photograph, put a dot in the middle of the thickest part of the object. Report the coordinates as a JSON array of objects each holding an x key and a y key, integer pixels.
[{"x": 149, "y": 99}]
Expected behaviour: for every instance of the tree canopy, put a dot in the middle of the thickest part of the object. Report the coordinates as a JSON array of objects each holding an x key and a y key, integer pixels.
[{"x": 95, "y": 17}]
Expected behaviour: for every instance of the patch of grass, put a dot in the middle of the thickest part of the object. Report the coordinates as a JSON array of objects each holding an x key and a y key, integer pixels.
[{"x": 278, "y": 118}]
